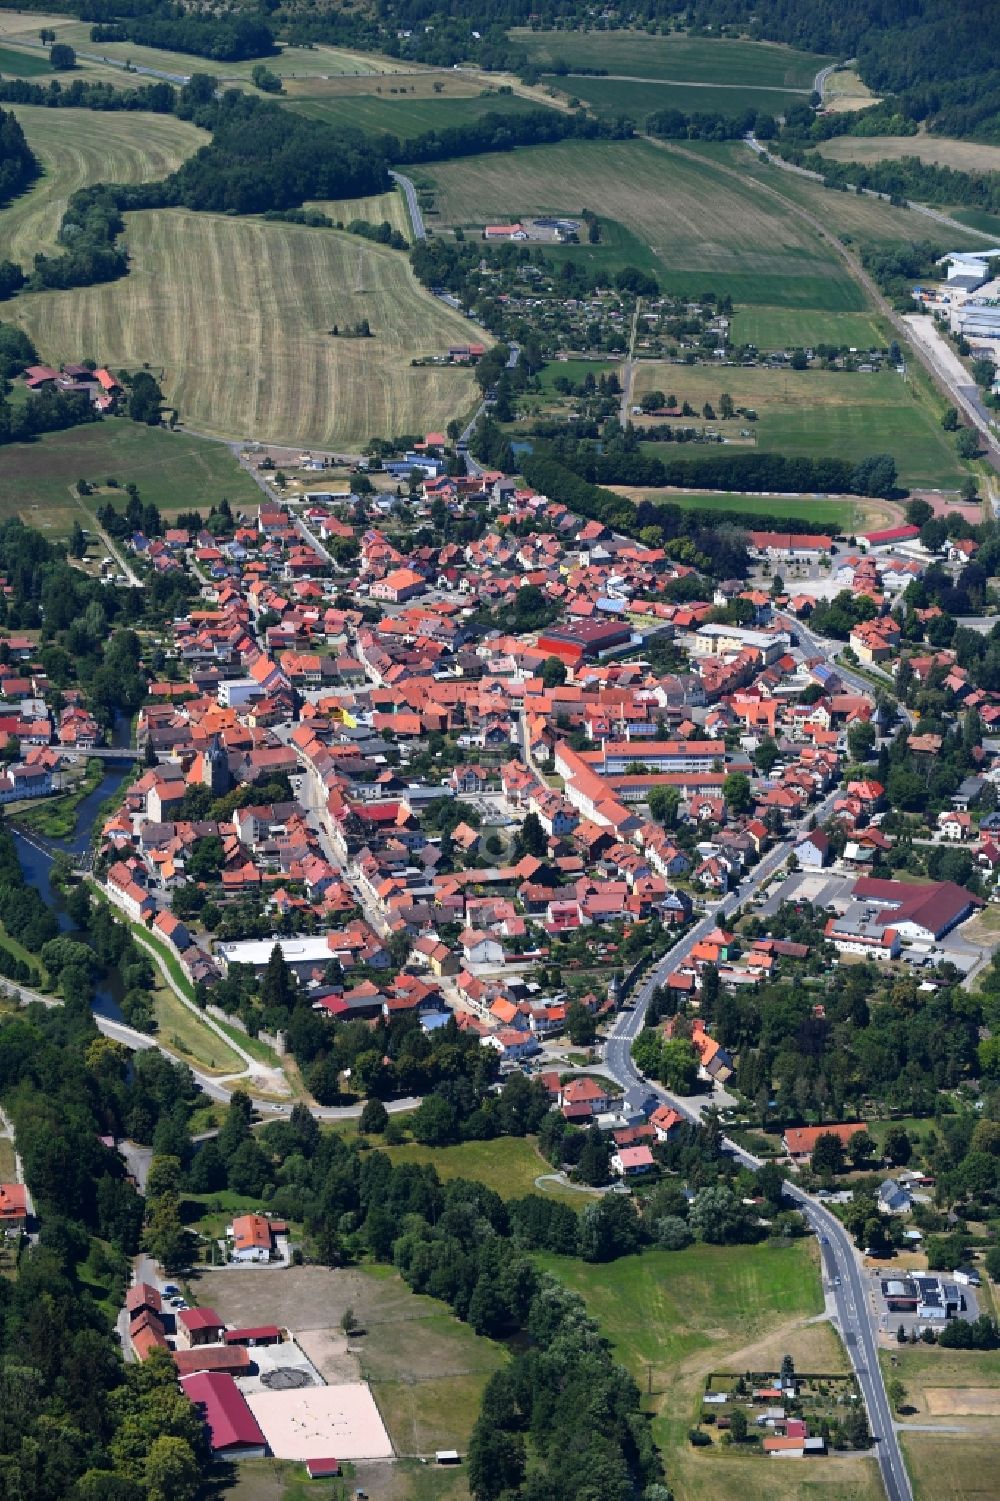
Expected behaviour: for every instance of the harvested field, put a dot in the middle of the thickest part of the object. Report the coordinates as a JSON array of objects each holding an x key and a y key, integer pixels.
[
  {"x": 983, "y": 1401},
  {"x": 964, "y": 156},
  {"x": 952, "y": 1467},
  {"x": 262, "y": 307},
  {"x": 703, "y": 229},
  {"x": 845, "y": 91},
  {"x": 375, "y": 209},
  {"x": 78, "y": 147}
]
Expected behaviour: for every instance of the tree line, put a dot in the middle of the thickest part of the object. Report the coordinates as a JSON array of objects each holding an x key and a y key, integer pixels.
[{"x": 623, "y": 463}]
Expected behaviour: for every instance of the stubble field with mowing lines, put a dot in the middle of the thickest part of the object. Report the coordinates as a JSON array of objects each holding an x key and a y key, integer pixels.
[
  {"x": 237, "y": 315},
  {"x": 377, "y": 208},
  {"x": 78, "y": 147},
  {"x": 964, "y": 156}
]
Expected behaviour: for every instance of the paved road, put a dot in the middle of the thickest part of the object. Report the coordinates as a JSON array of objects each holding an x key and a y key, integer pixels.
[
  {"x": 840, "y": 1258},
  {"x": 410, "y": 193},
  {"x": 819, "y": 82}
]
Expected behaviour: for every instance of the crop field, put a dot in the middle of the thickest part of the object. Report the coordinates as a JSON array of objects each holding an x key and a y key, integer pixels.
[
  {"x": 78, "y": 147},
  {"x": 405, "y": 118},
  {"x": 378, "y": 208},
  {"x": 610, "y": 97},
  {"x": 964, "y": 156},
  {"x": 799, "y": 328},
  {"x": 174, "y": 470},
  {"x": 260, "y": 308},
  {"x": 822, "y": 414},
  {"x": 676, "y": 58},
  {"x": 953, "y": 1467},
  {"x": 703, "y": 229}
]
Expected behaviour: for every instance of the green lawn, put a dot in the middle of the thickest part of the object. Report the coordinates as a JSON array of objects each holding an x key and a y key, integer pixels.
[
  {"x": 685, "y": 58},
  {"x": 174, "y": 470},
  {"x": 25, "y": 64},
  {"x": 825, "y": 414},
  {"x": 572, "y": 370},
  {"x": 6, "y": 1160},
  {"x": 182, "y": 1030},
  {"x": 611, "y": 97},
  {"x": 405, "y": 118},
  {"x": 510, "y": 1165},
  {"x": 663, "y": 1306},
  {"x": 798, "y": 328}
]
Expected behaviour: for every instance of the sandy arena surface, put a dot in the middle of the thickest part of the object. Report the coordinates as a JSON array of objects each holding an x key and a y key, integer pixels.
[
  {"x": 983, "y": 1401},
  {"x": 322, "y": 1421}
]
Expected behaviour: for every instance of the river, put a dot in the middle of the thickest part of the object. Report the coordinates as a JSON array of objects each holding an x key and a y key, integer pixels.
[{"x": 36, "y": 865}]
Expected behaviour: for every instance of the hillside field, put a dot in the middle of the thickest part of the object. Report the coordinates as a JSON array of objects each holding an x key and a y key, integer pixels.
[
  {"x": 702, "y": 229},
  {"x": 683, "y": 59},
  {"x": 636, "y": 99},
  {"x": 79, "y": 147},
  {"x": 964, "y": 156},
  {"x": 820, "y": 414},
  {"x": 176, "y": 471},
  {"x": 673, "y": 1316},
  {"x": 405, "y": 118},
  {"x": 236, "y": 315},
  {"x": 377, "y": 208}
]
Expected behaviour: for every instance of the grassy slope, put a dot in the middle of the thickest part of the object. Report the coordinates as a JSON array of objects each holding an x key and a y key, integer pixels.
[
  {"x": 687, "y": 59},
  {"x": 826, "y": 414},
  {"x": 78, "y": 147},
  {"x": 171, "y": 469},
  {"x": 259, "y": 309},
  {"x": 408, "y": 117},
  {"x": 703, "y": 230},
  {"x": 24, "y": 64},
  {"x": 376, "y": 209},
  {"x": 508, "y": 1165},
  {"x": 674, "y": 1316}
]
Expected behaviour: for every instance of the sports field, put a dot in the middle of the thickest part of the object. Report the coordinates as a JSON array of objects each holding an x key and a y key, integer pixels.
[
  {"x": 174, "y": 470},
  {"x": 610, "y": 97},
  {"x": 405, "y": 118},
  {"x": 821, "y": 414},
  {"x": 840, "y": 515},
  {"x": 78, "y": 147},
  {"x": 237, "y": 313},
  {"x": 964, "y": 156},
  {"x": 683, "y": 58},
  {"x": 704, "y": 230},
  {"x": 799, "y": 328}
]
